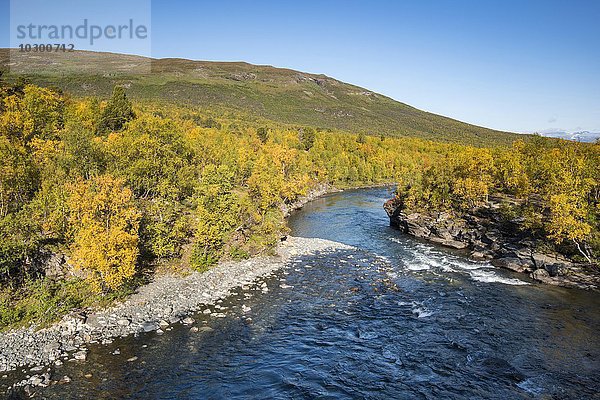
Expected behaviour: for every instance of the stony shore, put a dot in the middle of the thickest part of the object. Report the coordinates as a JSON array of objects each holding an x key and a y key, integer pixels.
[
  {"x": 485, "y": 235},
  {"x": 165, "y": 301},
  {"x": 315, "y": 193},
  {"x": 168, "y": 300}
]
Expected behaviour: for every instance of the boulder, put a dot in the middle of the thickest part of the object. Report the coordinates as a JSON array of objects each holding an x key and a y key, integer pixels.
[
  {"x": 556, "y": 269},
  {"x": 150, "y": 326},
  {"x": 541, "y": 259},
  {"x": 480, "y": 255},
  {"x": 455, "y": 244},
  {"x": 188, "y": 321},
  {"x": 55, "y": 266},
  {"x": 415, "y": 225},
  {"x": 512, "y": 263},
  {"x": 540, "y": 275}
]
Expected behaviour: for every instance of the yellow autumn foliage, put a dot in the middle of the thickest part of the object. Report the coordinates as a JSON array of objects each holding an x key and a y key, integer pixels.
[{"x": 105, "y": 223}]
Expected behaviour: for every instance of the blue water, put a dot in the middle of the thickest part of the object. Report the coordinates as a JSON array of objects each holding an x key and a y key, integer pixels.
[{"x": 396, "y": 318}]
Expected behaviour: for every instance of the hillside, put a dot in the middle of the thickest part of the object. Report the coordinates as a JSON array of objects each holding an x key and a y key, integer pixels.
[{"x": 282, "y": 95}]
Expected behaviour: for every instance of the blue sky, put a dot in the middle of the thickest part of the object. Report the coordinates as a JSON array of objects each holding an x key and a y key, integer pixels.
[{"x": 513, "y": 65}]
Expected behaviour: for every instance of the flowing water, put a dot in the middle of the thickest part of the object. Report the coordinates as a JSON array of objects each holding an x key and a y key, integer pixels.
[{"x": 394, "y": 319}]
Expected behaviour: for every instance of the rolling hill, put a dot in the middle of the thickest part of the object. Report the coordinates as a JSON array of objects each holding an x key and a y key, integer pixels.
[{"x": 282, "y": 95}]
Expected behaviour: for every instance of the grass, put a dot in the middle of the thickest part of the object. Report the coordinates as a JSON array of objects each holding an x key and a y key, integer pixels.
[
  {"x": 280, "y": 95},
  {"x": 44, "y": 301}
]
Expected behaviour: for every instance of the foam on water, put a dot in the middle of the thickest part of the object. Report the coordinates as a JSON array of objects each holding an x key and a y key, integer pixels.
[
  {"x": 422, "y": 312},
  {"x": 425, "y": 257},
  {"x": 418, "y": 267},
  {"x": 417, "y": 308},
  {"x": 489, "y": 277},
  {"x": 531, "y": 386}
]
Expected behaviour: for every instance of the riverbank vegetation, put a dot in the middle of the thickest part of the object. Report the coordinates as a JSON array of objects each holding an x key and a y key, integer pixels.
[
  {"x": 96, "y": 193},
  {"x": 550, "y": 187}
]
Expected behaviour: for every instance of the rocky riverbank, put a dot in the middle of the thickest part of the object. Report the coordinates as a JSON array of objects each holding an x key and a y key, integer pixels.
[
  {"x": 313, "y": 194},
  {"x": 165, "y": 301},
  {"x": 321, "y": 190},
  {"x": 487, "y": 236}
]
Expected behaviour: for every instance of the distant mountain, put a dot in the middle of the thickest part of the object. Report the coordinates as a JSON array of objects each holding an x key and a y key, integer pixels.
[
  {"x": 276, "y": 94},
  {"x": 580, "y": 136}
]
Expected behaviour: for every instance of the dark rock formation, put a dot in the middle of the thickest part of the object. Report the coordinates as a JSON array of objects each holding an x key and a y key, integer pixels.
[{"x": 486, "y": 235}]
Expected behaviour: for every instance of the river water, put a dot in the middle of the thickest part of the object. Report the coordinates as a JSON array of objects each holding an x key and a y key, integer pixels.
[{"x": 396, "y": 318}]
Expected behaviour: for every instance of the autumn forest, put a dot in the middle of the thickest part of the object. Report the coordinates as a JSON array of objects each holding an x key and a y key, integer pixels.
[{"x": 125, "y": 189}]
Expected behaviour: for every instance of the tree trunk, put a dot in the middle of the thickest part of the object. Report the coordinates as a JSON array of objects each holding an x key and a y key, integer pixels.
[{"x": 582, "y": 252}]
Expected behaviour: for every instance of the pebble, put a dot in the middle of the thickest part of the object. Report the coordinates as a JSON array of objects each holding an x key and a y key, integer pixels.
[
  {"x": 36, "y": 380},
  {"x": 149, "y": 326},
  {"x": 167, "y": 298},
  {"x": 132, "y": 359},
  {"x": 188, "y": 321}
]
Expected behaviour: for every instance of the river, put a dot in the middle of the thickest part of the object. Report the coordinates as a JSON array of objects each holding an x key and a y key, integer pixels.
[{"x": 396, "y": 318}]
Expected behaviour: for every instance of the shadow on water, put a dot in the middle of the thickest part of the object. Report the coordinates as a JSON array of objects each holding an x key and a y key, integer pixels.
[{"x": 395, "y": 318}]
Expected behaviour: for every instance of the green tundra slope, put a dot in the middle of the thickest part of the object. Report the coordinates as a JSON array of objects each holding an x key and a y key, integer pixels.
[{"x": 281, "y": 95}]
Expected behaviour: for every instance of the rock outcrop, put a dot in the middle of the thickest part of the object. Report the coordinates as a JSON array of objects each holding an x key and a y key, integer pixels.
[{"x": 486, "y": 235}]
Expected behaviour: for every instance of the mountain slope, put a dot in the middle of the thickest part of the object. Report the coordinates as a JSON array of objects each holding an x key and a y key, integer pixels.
[{"x": 278, "y": 94}]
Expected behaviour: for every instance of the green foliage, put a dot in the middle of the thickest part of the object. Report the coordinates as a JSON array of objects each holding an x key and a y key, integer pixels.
[
  {"x": 116, "y": 198},
  {"x": 28, "y": 112},
  {"x": 263, "y": 134},
  {"x": 117, "y": 113},
  {"x": 152, "y": 157},
  {"x": 44, "y": 301},
  {"x": 152, "y": 185},
  {"x": 165, "y": 228},
  {"x": 283, "y": 96},
  {"x": 307, "y": 137},
  {"x": 43, "y": 110},
  {"x": 217, "y": 213},
  {"x": 555, "y": 185},
  {"x": 461, "y": 179},
  {"x": 20, "y": 239},
  {"x": 18, "y": 179}
]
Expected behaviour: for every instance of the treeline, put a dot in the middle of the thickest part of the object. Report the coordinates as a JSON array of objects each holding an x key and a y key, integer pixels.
[
  {"x": 552, "y": 187},
  {"x": 117, "y": 186}
]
